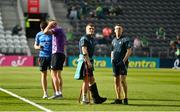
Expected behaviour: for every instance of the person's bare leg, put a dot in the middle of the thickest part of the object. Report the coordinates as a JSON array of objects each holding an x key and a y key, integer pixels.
[
  {"x": 117, "y": 86},
  {"x": 44, "y": 83},
  {"x": 60, "y": 81},
  {"x": 85, "y": 87},
  {"x": 125, "y": 88},
  {"x": 52, "y": 83},
  {"x": 54, "y": 75},
  {"x": 124, "y": 84},
  {"x": 118, "y": 90}
]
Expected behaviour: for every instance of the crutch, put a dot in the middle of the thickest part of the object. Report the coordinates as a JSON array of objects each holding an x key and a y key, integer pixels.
[{"x": 86, "y": 84}]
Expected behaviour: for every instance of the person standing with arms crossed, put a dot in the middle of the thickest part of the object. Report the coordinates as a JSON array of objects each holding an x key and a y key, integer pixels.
[
  {"x": 58, "y": 56},
  {"x": 121, "y": 50},
  {"x": 86, "y": 48},
  {"x": 43, "y": 43}
]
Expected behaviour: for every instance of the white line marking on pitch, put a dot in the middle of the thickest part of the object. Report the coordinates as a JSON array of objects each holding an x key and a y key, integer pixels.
[{"x": 26, "y": 100}]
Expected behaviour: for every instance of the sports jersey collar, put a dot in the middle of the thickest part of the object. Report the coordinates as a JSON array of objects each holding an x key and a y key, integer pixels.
[
  {"x": 120, "y": 37},
  {"x": 89, "y": 36}
]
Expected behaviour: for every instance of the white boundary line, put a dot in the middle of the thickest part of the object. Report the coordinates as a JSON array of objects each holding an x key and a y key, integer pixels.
[{"x": 26, "y": 100}]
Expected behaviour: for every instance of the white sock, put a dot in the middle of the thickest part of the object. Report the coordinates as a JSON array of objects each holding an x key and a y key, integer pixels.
[
  {"x": 84, "y": 98},
  {"x": 45, "y": 93},
  {"x": 57, "y": 93}
]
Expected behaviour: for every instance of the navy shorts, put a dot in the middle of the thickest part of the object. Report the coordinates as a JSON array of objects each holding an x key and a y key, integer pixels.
[
  {"x": 119, "y": 67},
  {"x": 88, "y": 71},
  {"x": 57, "y": 61},
  {"x": 44, "y": 63}
]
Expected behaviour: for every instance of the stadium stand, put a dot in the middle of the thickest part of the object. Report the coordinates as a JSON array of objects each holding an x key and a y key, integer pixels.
[
  {"x": 11, "y": 44},
  {"x": 140, "y": 18}
]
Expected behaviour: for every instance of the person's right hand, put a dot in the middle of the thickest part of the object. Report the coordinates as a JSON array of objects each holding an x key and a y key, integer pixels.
[
  {"x": 89, "y": 64},
  {"x": 52, "y": 23},
  {"x": 41, "y": 47}
]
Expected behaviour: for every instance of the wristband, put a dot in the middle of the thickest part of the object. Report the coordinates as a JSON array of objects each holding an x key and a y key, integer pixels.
[
  {"x": 41, "y": 47},
  {"x": 84, "y": 54}
]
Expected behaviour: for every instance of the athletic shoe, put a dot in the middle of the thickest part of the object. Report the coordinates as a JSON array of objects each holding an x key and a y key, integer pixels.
[
  {"x": 99, "y": 100},
  {"x": 56, "y": 96},
  {"x": 126, "y": 101},
  {"x": 85, "y": 102},
  {"x": 117, "y": 101},
  {"x": 45, "y": 96}
]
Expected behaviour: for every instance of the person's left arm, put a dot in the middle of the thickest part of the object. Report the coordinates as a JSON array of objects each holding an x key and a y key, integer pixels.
[
  {"x": 129, "y": 50},
  {"x": 128, "y": 53}
]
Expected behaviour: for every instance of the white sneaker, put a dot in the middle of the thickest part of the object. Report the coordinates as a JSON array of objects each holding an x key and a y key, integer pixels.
[
  {"x": 85, "y": 102},
  {"x": 56, "y": 96},
  {"x": 45, "y": 96}
]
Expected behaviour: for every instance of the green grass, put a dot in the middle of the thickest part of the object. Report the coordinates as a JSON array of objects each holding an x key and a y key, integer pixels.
[{"x": 149, "y": 90}]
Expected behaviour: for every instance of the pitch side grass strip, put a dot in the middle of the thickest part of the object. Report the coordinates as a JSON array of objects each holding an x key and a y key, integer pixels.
[{"x": 26, "y": 100}]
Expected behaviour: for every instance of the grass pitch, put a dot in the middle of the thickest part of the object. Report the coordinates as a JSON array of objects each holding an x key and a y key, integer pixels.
[{"x": 149, "y": 90}]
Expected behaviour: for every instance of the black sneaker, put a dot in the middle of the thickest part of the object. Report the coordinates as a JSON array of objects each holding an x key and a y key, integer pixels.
[
  {"x": 100, "y": 100},
  {"x": 126, "y": 101},
  {"x": 117, "y": 101}
]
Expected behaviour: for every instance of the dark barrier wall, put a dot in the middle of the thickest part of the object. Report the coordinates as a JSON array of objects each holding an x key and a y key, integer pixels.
[{"x": 169, "y": 63}]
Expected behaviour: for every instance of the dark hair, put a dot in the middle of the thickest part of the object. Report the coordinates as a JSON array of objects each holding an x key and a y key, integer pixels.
[
  {"x": 43, "y": 25},
  {"x": 119, "y": 25},
  {"x": 90, "y": 24}
]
